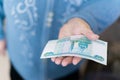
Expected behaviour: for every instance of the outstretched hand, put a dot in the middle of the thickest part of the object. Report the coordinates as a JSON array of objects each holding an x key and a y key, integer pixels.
[{"x": 75, "y": 26}]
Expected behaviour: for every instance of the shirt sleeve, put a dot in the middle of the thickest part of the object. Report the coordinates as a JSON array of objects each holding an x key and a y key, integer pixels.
[
  {"x": 1, "y": 20},
  {"x": 99, "y": 14}
]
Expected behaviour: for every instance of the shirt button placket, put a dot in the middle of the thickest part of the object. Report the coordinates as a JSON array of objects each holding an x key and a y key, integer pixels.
[{"x": 49, "y": 19}]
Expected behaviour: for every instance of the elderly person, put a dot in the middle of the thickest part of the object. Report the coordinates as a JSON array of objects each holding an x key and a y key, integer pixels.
[{"x": 31, "y": 23}]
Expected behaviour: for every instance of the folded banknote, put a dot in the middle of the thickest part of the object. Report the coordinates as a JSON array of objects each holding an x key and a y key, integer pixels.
[{"x": 79, "y": 46}]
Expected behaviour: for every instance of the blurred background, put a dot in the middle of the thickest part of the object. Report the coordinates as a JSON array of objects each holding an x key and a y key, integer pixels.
[
  {"x": 4, "y": 67},
  {"x": 90, "y": 70},
  {"x": 94, "y": 71}
]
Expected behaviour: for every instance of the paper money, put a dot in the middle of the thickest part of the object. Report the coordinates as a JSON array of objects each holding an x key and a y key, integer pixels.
[{"x": 79, "y": 46}]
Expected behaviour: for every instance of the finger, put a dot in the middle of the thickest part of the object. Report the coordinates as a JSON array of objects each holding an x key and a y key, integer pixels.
[
  {"x": 85, "y": 31},
  {"x": 90, "y": 35},
  {"x": 53, "y": 59},
  {"x": 76, "y": 60},
  {"x": 59, "y": 60},
  {"x": 66, "y": 61}
]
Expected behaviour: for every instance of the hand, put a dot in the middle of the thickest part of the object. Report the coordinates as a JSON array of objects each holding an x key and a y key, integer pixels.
[
  {"x": 75, "y": 26},
  {"x": 2, "y": 47}
]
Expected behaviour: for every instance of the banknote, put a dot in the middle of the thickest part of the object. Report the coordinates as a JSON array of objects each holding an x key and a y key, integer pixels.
[{"x": 79, "y": 46}]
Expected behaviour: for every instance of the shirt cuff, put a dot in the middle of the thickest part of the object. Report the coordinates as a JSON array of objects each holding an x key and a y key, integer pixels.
[{"x": 87, "y": 17}]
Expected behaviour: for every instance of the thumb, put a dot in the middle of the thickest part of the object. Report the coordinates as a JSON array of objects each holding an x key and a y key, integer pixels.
[
  {"x": 90, "y": 34},
  {"x": 82, "y": 27},
  {"x": 86, "y": 32}
]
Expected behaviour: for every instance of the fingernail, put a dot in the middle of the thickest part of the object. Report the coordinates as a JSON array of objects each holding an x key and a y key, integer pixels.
[
  {"x": 64, "y": 64},
  {"x": 75, "y": 62},
  {"x": 52, "y": 60},
  {"x": 94, "y": 37},
  {"x": 57, "y": 62}
]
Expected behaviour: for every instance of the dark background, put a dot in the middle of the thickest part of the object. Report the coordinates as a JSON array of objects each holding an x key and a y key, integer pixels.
[{"x": 94, "y": 71}]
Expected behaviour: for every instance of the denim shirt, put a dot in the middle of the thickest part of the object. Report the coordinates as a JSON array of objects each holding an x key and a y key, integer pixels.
[{"x": 31, "y": 23}]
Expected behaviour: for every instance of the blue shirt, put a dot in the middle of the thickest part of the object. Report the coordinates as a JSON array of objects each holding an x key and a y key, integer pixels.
[{"x": 31, "y": 23}]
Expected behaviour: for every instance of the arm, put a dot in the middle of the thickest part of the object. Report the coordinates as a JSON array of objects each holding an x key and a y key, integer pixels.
[
  {"x": 96, "y": 15},
  {"x": 99, "y": 14}
]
